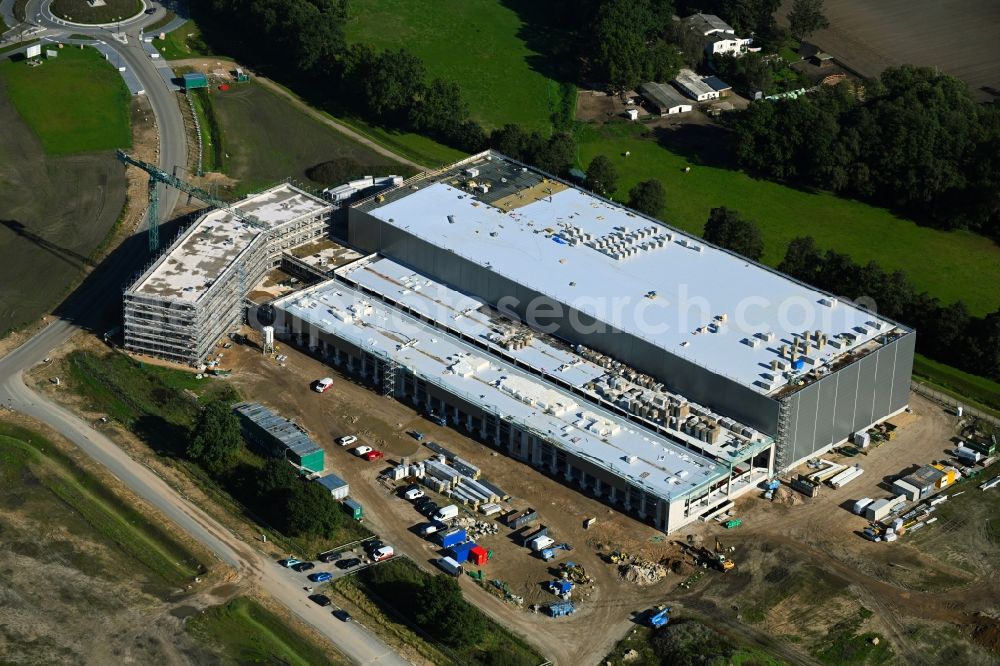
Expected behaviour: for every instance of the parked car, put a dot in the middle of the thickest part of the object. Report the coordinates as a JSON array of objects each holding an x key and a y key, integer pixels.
[
  {"x": 383, "y": 553},
  {"x": 429, "y": 509},
  {"x": 329, "y": 557},
  {"x": 304, "y": 566},
  {"x": 362, "y": 450},
  {"x": 342, "y": 615},
  {"x": 413, "y": 493},
  {"x": 374, "y": 455},
  {"x": 374, "y": 545},
  {"x": 320, "y": 599},
  {"x": 349, "y": 563},
  {"x": 321, "y": 385},
  {"x": 347, "y": 440},
  {"x": 417, "y": 435},
  {"x": 320, "y": 576},
  {"x": 290, "y": 562}
]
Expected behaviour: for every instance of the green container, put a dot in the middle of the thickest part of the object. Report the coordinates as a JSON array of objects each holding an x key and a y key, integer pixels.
[
  {"x": 312, "y": 461},
  {"x": 353, "y": 508},
  {"x": 730, "y": 524}
]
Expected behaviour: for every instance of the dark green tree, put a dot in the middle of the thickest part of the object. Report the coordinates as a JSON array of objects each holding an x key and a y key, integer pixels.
[
  {"x": 312, "y": 512},
  {"x": 215, "y": 439},
  {"x": 726, "y": 228},
  {"x": 602, "y": 176},
  {"x": 440, "y": 108},
  {"x": 393, "y": 83},
  {"x": 445, "y": 614},
  {"x": 806, "y": 18},
  {"x": 556, "y": 155},
  {"x": 648, "y": 196},
  {"x": 802, "y": 259},
  {"x": 511, "y": 140},
  {"x": 626, "y": 45}
]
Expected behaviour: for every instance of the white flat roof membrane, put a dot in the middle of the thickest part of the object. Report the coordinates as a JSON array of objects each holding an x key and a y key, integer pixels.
[
  {"x": 711, "y": 307},
  {"x": 644, "y": 458}
]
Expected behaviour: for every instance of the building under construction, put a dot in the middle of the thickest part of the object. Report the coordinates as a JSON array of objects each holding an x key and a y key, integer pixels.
[{"x": 195, "y": 292}]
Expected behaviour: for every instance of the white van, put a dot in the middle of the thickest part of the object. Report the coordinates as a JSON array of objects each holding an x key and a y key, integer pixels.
[
  {"x": 321, "y": 385},
  {"x": 446, "y": 512}
]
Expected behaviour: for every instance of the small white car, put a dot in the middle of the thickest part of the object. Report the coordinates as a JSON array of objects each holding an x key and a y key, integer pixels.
[
  {"x": 362, "y": 450},
  {"x": 321, "y": 385},
  {"x": 347, "y": 440}
]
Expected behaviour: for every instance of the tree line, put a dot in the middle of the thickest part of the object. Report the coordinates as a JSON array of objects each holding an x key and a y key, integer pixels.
[
  {"x": 912, "y": 139},
  {"x": 270, "y": 487}
]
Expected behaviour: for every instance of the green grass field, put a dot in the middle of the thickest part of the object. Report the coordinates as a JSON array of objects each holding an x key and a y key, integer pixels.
[
  {"x": 950, "y": 265},
  {"x": 247, "y": 633},
  {"x": 79, "y": 11},
  {"x": 25, "y": 452},
  {"x": 75, "y": 103},
  {"x": 184, "y": 42},
  {"x": 474, "y": 43},
  {"x": 979, "y": 391},
  {"x": 266, "y": 138}
]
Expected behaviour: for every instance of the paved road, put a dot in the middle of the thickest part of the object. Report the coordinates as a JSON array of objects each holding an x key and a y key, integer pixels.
[{"x": 104, "y": 284}]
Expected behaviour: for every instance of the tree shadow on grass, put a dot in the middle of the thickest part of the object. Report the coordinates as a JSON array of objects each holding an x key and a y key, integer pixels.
[
  {"x": 704, "y": 145},
  {"x": 541, "y": 33},
  {"x": 165, "y": 438}
]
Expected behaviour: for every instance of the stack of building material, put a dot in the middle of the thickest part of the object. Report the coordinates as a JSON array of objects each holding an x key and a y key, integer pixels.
[
  {"x": 437, "y": 485},
  {"x": 466, "y": 468},
  {"x": 417, "y": 470},
  {"x": 846, "y": 476},
  {"x": 399, "y": 472},
  {"x": 443, "y": 472},
  {"x": 489, "y": 509}
]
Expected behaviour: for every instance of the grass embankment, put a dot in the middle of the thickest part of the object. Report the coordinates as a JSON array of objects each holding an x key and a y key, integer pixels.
[
  {"x": 975, "y": 390},
  {"x": 478, "y": 44},
  {"x": 268, "y": 138},
  {"x": 184, "y": 42},
  {"x": 245, "y": 632},
  {"x": 952, "y": 266},
  {"x": 643, "y": 649},
  {"x": 387, "y": 593},
  {"x": 79, "y": 11},
  {"x": 25, "y": 454},
  {"x": 213, "y": 152},
  {"x": 75, "y": 103},
  {"x": 160, "y": 405}
]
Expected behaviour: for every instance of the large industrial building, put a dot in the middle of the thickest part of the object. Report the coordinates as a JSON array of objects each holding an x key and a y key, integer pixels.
[
  {"x": 195, "y": 291},
  {"x": 798, "y": 365}
]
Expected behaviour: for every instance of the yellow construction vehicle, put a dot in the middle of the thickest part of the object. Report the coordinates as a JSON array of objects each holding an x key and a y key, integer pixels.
[{"x": 724, "y": 563}]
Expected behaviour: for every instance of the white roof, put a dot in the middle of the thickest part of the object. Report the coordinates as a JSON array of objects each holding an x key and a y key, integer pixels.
[
  {"x": 214, "y": 242},
  {"x": 471, "y": 319},
  {"x": 630, "y": 451},
  {"x": 692, "y": 83},
  {"x": 704, "y": 304}
]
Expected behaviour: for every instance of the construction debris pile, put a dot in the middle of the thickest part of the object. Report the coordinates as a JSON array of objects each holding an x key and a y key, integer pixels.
[
  {"x": 638, "y": 571},
  {"x": 477, "y": 528}
]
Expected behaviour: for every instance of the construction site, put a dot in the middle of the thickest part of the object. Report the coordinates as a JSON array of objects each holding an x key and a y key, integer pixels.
[{"x": 660, "y": 450}]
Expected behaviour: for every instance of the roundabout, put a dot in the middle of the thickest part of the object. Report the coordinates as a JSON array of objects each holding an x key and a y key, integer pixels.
[{"x": 95, "y": 13}]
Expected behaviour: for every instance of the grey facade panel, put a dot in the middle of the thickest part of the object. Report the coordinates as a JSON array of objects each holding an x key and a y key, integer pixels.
[
  {"x": 827, "y": 407},
  {"x": 864, "y": 412},
  {"x": 803, "y": 442},
  {"x": 905, "y": 348},
  {"x": 847, "y": 387}
]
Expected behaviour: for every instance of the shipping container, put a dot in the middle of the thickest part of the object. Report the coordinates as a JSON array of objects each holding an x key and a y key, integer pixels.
[
  {"x": 966, "y": 454},
  {"x": 479, "y": 555},
  {"x": 859, "y": 506},
  {"x": 451, "y": 537},
  {"x": 449, "y": 566},
  {"x": 460, "y": 551},
  {"x": 353, "y": 508},
  {"x": 540, "y": 543},
  {"x": 521, "y": 518},
  {"x": 903, "y": 487}
]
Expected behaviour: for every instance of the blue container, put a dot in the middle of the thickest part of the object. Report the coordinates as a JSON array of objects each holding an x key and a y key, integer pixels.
[
  {"x": 798, "y": 364},
  {"x": 460, "y": 552},
  {"x": 452, "y": 537}
]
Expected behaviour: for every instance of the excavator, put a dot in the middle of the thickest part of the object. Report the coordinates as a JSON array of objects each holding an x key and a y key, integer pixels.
[{"x": 721, "y": 560}]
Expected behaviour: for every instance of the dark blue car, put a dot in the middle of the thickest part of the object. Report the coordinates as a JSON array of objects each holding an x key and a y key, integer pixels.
[{"x": 320, "y": 576}]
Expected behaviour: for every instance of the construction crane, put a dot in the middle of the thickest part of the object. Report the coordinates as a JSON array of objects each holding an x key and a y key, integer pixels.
[{"x": 158, "y": 175}]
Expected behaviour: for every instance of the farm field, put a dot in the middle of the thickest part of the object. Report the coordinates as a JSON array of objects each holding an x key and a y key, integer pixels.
[
  {"x": 74, "y": 103},
  {"x": 949, "y": 265},
  {"x": 958, "y": 36},
  {"x": 111, "y": 576},
  {"x": 54, "y": 212},
  {"x": 479, "y": 44},
  {"x": 266, "y": 139}
]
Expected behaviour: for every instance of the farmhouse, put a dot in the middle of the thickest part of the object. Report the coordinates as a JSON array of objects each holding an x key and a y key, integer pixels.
[
  {"x": 665, "y": 99},
  {"x": 694, "y": 86},
  {"x": 708, "y": 24},
  {"x": 718, "y": 85},
  {"x": 719, "y": 36}
]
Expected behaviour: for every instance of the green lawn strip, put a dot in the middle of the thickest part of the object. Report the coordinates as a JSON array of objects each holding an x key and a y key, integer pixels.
[
  {"x": 106, "y": 513},
  {"x": 155, "y": 27},
  {"x": 952, "y": 266},
  {"x": 246, "y": 632},
  {"x": 416, "y": 147},
  {"x": 14, "y": 47},
  {"x": 211, "y": 137},
  {"x": 75, "y": 103},
  {"x": 975, "y": 390},
  {"x": 184, "y": 42},
  {"x": 474, "y": 43}
]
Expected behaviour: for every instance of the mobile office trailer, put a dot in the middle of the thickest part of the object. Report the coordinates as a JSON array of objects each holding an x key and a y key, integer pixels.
[{"x": 353, "y": 508}]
